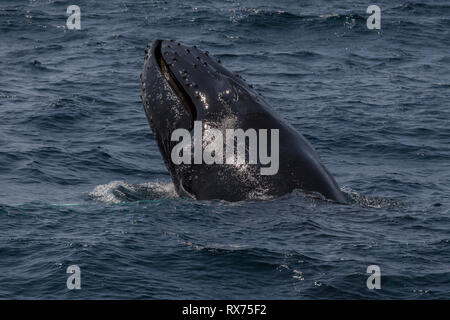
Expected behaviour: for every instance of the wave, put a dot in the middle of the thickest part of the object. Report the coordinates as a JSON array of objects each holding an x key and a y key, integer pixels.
[
  {"x": 354, "y": 197},
  {"x": 120, "y": 191},
  {"x": 260, "y": 17},
  {"x": 423, "y": 8}
]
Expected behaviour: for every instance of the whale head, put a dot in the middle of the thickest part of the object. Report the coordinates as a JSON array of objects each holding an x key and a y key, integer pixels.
[{"x": 182, "y": 86}]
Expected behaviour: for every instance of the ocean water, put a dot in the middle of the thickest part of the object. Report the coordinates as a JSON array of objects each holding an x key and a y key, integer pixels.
[{"x": 83, "y": 182}]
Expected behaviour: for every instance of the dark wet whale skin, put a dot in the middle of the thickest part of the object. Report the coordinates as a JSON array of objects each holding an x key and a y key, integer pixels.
[{"x": 181, "y": 84}]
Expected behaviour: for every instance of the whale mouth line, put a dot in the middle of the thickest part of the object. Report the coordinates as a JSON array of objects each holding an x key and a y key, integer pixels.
[{"x": 176, "y": 86}]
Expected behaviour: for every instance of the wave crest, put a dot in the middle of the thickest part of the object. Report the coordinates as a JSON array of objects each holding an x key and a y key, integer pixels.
[{"x": 120, "y": 191}]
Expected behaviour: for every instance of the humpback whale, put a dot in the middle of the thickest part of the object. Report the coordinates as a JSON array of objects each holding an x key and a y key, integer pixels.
[{"x": 185, "y": 88}]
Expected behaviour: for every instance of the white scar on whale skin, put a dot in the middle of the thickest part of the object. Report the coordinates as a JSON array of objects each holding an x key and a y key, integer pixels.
[{"x": 208, "y": 145}]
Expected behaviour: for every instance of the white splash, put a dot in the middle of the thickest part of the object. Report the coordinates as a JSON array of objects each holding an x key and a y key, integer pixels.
[{"x": 120, "y": 191}]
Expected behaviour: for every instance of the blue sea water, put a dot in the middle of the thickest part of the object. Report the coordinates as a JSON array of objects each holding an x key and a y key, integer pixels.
[{"x": 83, "y": 182}]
